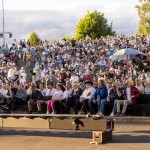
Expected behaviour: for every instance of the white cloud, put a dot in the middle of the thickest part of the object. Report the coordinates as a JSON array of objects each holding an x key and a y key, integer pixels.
[{"x": 55, "y": 24}]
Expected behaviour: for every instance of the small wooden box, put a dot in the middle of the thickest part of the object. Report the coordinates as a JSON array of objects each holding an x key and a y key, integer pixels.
[{"x": 100, "y": 137}]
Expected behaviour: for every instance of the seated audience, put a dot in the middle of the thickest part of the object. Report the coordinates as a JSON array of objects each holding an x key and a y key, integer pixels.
[
  {"x": 20, "y": 97},
  {"x": 100, "y": 97},
  {"x": 57, "y": 95},
  {"x": 35, "y": 96},
  {"x": 147, "y": 86},
  {"x": 116, "y": 93},
  {"x": 131, "y": 93},
  {"x": 65, "y": 98},
  {"x": 87, "y": 95},
  {"x": 75, "y": 96}
]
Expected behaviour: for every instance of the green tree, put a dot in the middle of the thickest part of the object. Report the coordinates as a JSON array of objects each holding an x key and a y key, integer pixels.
[
  {"x": 34, "y": 39},
  {"x": 94, "y": 25},
  {"x": 144, "y": 15}
]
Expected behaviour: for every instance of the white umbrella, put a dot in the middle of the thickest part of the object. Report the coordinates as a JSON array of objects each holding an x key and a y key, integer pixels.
[{"x": 126, "y": 53}]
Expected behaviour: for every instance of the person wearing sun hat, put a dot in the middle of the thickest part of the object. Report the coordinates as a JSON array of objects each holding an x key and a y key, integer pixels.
[{"x": 86, "y": 96}]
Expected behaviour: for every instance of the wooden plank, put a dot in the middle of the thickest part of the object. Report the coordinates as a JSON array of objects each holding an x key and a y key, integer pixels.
[
  {"x": 44, "y": 115},
  {"x": 60, "y": 122},
  {"x": 94, "y": 125},
  {"x": 74, "y": 116},
  {"x": 64, "y": 124},
  {"x": 26, "y": 123},
  {"x": 88, "y": 124},
  {"x": 1, "y": 120}
]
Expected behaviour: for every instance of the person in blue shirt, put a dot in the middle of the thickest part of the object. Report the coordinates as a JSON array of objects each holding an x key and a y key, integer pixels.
[
  {"x": 20, "y": 97},
  {"x": 100, "y": 96}
]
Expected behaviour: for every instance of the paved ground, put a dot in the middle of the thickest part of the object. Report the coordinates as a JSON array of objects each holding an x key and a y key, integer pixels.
[{"x": 126, "y": 137}]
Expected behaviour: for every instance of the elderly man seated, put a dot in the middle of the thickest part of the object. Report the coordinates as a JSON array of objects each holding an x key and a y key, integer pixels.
[{"x": 87, "y": 95}]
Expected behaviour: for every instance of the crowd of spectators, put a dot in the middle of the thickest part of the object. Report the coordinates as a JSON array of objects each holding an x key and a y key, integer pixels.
[{"x": 73, "y": 77}]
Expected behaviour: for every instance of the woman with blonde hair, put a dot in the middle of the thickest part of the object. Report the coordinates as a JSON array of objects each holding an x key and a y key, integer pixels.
[{"x": 100, "y": 97}]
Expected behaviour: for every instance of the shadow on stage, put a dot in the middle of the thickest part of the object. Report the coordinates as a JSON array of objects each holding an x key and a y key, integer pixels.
[{"x": 118, "y": 137}]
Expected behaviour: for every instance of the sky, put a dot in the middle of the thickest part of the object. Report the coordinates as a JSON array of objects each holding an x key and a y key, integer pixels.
[{"x": 54, "y": 19}]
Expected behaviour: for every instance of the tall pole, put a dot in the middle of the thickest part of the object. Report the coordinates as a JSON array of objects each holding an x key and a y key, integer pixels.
[{"x": 3, "y": 23}]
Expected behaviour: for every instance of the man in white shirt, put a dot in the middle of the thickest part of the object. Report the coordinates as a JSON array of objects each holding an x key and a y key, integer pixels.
[
  {"x": 50, "y": 90},
  {"x": 87, "y": 95}
]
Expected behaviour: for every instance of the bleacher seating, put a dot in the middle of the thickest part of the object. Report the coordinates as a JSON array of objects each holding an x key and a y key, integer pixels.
[{"x": 142, "y": 108}]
